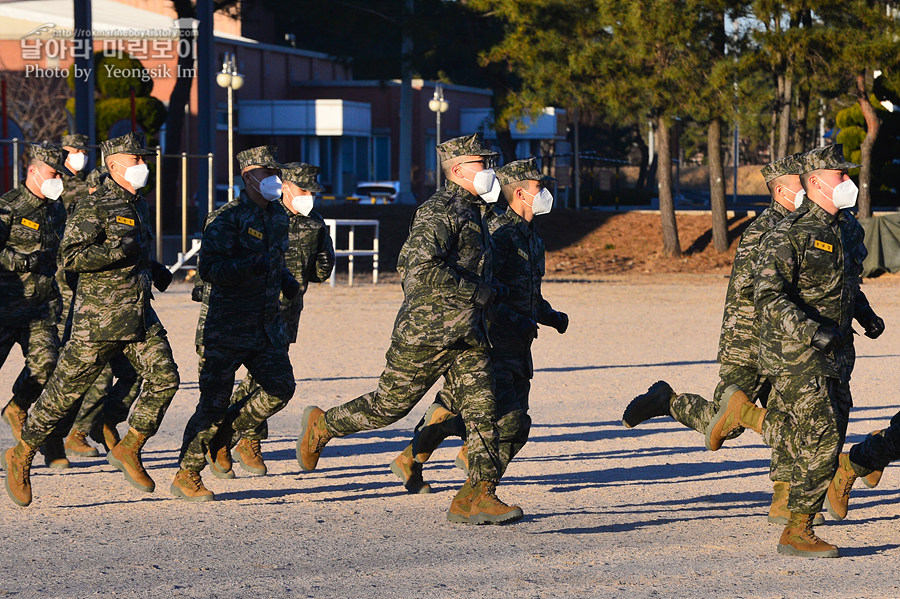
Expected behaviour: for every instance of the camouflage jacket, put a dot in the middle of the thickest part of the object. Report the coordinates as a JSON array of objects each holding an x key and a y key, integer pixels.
[
  {"x": 112, "y": 300},
  {"x": 28, "y": 224},
  {"x": 808, "y": 274},
  {"x": 739, "y": 339},
  {"x": 307, "y": 238},
  {"x": 241, "y": 308},
  {"x": 442, "y": 261},
  {"x": 518, "y": 262},
  {"x": 75, "y": 188}
]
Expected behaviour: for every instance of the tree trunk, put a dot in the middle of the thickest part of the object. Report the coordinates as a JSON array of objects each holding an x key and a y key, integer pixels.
[
  {"x": 802, "y": 137},
  {"x": 772, "y": 130},
  {"x": 645, "y": 159},
  {"x": 671, "y": 245},
  {"x": 873, "y": 124},
  {"x": 506, "y": 143},
  {"x": 784, "y": 123},
  {"x": 717, "y": 187}
]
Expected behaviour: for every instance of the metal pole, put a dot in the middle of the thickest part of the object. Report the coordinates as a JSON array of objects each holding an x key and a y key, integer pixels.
[
  {"x": 159, "y": 233},
  {"x": 184, "y": 202},
  {"x": 230, "y": 145},
  {"x": 437, "y": 169},
  {"x": 206, "y": 81},
  {"x": 350, "y": 257},
  {"x": 737, "y": 161},
  {"x": 577, "y": 164},
  {"x": 16, "y": 173},
  {"x": 211, "y": 184},
  {"x": 375, "y": 257},
  {"x": 5, "y": 131}
]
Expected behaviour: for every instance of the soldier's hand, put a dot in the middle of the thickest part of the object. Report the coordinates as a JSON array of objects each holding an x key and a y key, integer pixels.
[
  {"x": 130, "y": 244},
  {"x": 484, "y": 295},
  {"x": 873, "y": 324},
  {"x": 162, "y": 277},
  {"x": 324, "y": 262},
  {"x": 559, "y": 321},
  {"x": 33, "y": 262},
  {"x": 197, "y": 293},
  {"x": 826, "y": 339},
  {"x": 290, "y": 287},
  {"x": 260, "y": 264}
]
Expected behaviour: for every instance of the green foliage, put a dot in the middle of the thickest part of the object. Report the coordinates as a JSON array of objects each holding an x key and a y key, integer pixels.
[
  {"x": 851, "y": 116},
  {"x": 116, "y": 77},
  {"x": 150, "y": 114},
  {"x": 852, "y": 137}
]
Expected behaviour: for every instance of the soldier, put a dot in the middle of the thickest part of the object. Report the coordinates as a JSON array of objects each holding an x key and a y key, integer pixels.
[
  {"x": 309, "y": 258},
  {"x": 739, "y": 338},
  {"x": 866, "y": 460},
  {"x": 807, "y": 294},
  {"x": 439, "y": 331},
  {"x": 242, "y": 261},
  {"x": 31, "y": 222},
  {"x": 108, "y": 243},
  {"x": 518, "y": 263}
]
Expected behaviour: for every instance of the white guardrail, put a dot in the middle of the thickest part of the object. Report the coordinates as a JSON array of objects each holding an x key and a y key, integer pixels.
[{"x": 351, "y": 252}]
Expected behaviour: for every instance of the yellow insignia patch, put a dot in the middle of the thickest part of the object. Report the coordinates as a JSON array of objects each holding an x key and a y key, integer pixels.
[
  {"x": 254, "y": 233},
  {"x": 125, "y": 221},
  {"x": 821, "y": 245},
  {"x": 523, "y": 254},
  {"x": 473, "y": 226},
  {"x": 31, "y": 224}
]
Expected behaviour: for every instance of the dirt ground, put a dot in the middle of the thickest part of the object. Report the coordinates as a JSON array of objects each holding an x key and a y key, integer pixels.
[{"x": 610, "y": 512}]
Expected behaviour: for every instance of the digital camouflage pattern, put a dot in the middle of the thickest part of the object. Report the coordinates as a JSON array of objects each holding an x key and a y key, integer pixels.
[
  {"x": 789, "y": 165},
  {"x": 79, "y": 141},
  {"x": 242, "y": 307},
  {"x": 39, "y": 345},
  {"x": 520, "y": 170},
  {"x": 52, "y": 156},
  {"x": 466, "y": 145},
  {"x": 302, "y": 175},
  {"x": 441, "y": 263},
  {"x": 75, "y": 188},
  {"x": 826, "y": 158},
  {"x": 111, "y": 396},
  {"x": 96, "y": 176},
  {"x": 130, "y": 143},
  {"x": 266, "y": 156},
  {"x": 877, "y": 450}
]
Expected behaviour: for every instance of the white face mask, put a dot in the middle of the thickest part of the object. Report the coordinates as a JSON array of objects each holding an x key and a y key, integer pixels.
[
  {"x": 303, "y": 204},
  {"x": 483, "y": 181},
  {"x": 843, "y": 195},
  {"x": 542, "y": 202},
  {"x": 494, "y": 194},
  {"x": 137, "y": 175},
  {"x": 51, "y": 188},
  {"x": 77, "y": 160},
  {"x": 798, "y": 197},
  {"x": 270, "y": 187}
]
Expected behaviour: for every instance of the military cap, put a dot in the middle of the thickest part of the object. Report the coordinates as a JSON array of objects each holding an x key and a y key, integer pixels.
[
  {"x": 130, "y": 143},
  {"x": 79, "y": 141},
  {"x": 302, "y": 175},
  {"x": 520, "y": 170},
  {"x": 265, "y": 156},
  {"x": 467, "y": 145},
  {"x": 789, "y": 165},
  {"x": 96, "y": 176},
  {"x": 830, "y": 158},
  {"x": 47, "y": 153}
]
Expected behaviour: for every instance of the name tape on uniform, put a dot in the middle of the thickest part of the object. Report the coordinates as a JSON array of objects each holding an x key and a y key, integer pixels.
[
  {"x": 473, "y": 226},
  {"x": 125, "y": 221},
  {"x": 821, "y": 245},
  {"x": 254, "y": 233},
  {"x": 31, "y": 224},
  {"x": 523, "y": 254}
]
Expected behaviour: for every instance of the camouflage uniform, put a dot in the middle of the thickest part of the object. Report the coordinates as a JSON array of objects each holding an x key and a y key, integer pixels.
[
  {"x": 877, "y": 450},
  {"x": 808, "y": 275},
  {"x": 241, "y": 318},
  {"x": 439, "y": 330},
  {"x": 29, "y": 299},
  {"x": 309, "y": 258},
  {"x": 75, "y": 188},
  {"x": 112, "y": 311}
]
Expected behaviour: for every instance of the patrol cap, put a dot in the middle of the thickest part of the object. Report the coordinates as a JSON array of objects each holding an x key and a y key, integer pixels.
[
  {"x": 264, "y": 156},
  {"x": 830, "y": 158},
  {"x": 96, "y": 176},
  {"x": 130, "y": 143},
  {"x": 789, "y": 165},
  {"x": 520, "y": 170},
  {"x": 79, "y": 141},
  {"x": 467, "y": 145},
  {"x": 302, "y": 175},
  {"x": 51, "y": 155}
]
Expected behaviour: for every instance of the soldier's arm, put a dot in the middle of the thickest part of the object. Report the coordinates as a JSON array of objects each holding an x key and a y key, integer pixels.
[
  {"x": 85, "y": 246},
  {"x": 324, "y": 258},
  {"x": 215, "y": 263},
  {"x": 9, "y": 258},
  {"x": 777, "y": 271}
]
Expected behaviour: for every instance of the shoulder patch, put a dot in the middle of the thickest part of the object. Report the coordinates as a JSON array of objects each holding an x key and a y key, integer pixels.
[
  {"x": 254, "y": 233},
  {"x": 31, "y": 224},
  {"x": 821, "y": 245},
  {"x": 474, "y": 226}
]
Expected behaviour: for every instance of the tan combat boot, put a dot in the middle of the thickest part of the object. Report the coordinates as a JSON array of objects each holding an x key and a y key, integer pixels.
[
  {"x": 17, "y": 464},
  {"x": 410, "y": 472},
  {"x": 872, "y": 479},
  {"x": 431, "y": 434},
  {"x": 779, "y": 512},
  {"x": 248, "y": 453},
  {"x": 837, "y": 498},
  {"x": 313, "y": 438},
  {"x": 799, "y": 539},
  {"x": 486, "y": 507},
  {"x": 126, "y": 456},
  {"x": 77, "y": 446},
  {"x": 15, "y": 417},
  {"x": 218, "y": 455},
  {"x": 462, "y": 459},
  {"x": 461, "y": 505},
  {"x": 54, "y": 452},
  {"x": 106, "y": 434},
  {"x": 737, "y": 411},
  {"x": 189, "y": 486}
]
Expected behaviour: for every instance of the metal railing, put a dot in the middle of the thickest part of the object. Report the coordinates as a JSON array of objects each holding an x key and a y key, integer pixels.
[{"x": 351, "y": 251}]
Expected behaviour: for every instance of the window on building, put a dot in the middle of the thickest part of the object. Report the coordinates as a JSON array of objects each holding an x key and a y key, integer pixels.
[{"x": 382, "y": 158}]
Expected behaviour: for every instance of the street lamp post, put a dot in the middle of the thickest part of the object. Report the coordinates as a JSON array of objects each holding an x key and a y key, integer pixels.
[
  {"x": 230, "y": 79},
  {"x": 438, "y": 105}
]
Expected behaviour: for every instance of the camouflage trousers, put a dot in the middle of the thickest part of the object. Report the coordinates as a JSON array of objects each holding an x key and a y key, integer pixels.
[
  {"x": 40, "y": 346},
  {"x": 80, "y": 363},
  {"x": 268, "y": 365},
  {"x": 108, "y": 401},
  {"x": 877, "y": 450},
  {"x": 409, "y": 373},
  {"x": 811, "y": 428}
]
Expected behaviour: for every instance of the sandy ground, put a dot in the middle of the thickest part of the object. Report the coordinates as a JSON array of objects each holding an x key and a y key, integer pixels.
[{"x": 610, "y": 512}]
